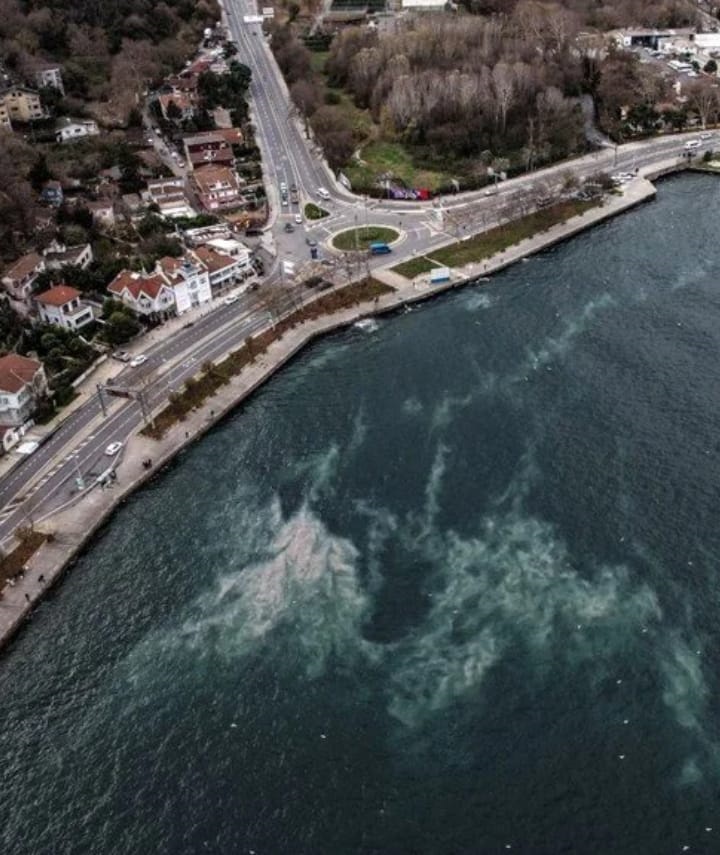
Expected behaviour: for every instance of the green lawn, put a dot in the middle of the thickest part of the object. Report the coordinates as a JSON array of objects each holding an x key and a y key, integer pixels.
[
  {"x": 381, "y": 157},
  {"x": 496, "y": 240},
  {"x": 318, "y": 58},
  {"x": 362, "y": 237},
  {"x": 415, "y": 267},
  {"x": 314, "y": 212}
]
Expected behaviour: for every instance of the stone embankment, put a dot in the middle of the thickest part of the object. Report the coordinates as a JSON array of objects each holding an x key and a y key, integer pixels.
[{"x": 73, "y": 527}]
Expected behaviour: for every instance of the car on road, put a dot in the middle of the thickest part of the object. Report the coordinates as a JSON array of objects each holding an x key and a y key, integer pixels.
[
  {"x": 181, "y": 164},
  {"x": 138, "y": 360},
  {"x": 289, "y": 227},
  {"x": 690, "y": 144},
  {"x": 284, "y": 200},
  {"x": 323, "y": 193},
  {"x": 298, "y": 219},
  {"x": 122, "y": 356},
  {"x": 705, "y": 135},
  {"x": 230, "y": 299},
  {"x": 310, "y": 242},
  {"x": 113, "y": 449}
]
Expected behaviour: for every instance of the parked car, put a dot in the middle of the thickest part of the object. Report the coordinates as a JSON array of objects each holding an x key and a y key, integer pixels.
[
  {"x": 298, "y": 219},
  {"x": 122, "y": 356},
  {"x": 113, "y": 449},
  {"x": 230, "y": 299},
  {"x": 138, "y": 360},
  {"x": 289, "y": 227}
]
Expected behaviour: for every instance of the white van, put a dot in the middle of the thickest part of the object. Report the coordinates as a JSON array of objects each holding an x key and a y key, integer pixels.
[{"x": 322, "y": 193}]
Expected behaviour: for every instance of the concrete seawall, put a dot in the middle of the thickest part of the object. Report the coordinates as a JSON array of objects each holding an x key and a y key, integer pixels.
[{"x": 74, "y": 526}]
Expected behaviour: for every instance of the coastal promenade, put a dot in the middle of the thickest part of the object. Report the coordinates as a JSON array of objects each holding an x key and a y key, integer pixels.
[{"x": 72, "y": 526}]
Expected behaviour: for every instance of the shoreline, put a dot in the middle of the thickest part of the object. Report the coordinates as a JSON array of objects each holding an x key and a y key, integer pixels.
[{"x": 75, "y": 526}]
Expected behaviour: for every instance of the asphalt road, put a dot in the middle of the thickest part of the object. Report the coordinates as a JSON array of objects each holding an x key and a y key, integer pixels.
[{"x": 288, "y": 157}]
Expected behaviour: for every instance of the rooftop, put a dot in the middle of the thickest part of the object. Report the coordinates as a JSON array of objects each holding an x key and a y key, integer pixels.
[
  {"x": 17, "y": 371},
  {"x": 58, "y": 296}
]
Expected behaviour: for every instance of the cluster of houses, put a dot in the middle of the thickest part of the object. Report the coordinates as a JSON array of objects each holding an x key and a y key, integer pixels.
[
  {"x": 22, "y": 104},
  {"x": 173, "y": 287}
]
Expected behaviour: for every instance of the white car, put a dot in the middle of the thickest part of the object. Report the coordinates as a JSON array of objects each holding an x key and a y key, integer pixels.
[
  {"x": 692, "y": 144},
  {"x": 230, "y": 299},
  {"x": 138, "y": 360},
  {"x": 113, "y": 449},
  {"x": 298, "y": 219},
  {"x": 705, "y": 135}
]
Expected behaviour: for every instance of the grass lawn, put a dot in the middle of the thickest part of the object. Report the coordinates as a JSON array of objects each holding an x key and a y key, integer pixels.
[
  {"x": 496, "y": 240},
  {"x": 392, "y": 157},
  {"x": 362, "y": 237},
  {"x": 318, "y": 59},
  {"x": 415, "y": 267},
  {"x": 500, "y": 238},
  {"x": 314, "y": 212}
]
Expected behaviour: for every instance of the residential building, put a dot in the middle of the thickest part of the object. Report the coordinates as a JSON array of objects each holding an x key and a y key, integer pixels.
[
  {"x": 68, "y": 130},
  {"x": 22, "y": 385},
  {"x": 189, "y": 280},
  {"x": 234, "y": 248},
  {"x": 19, "y": 278},
  {"x": 223, "y": 270},
  {"x": 63, "y": 306},
  {"x": 57, "y": 255},
  {"x": 5, "y": 117},
  {"x": 208, "y": 148},
  {"x": 52, "y": 193},
  {"x": 48, "y": 74},
  {"x": 103, "y": 212},
  {"x": 169, "y": 195},
  {"x": 232, "y": 136},
  {"x": 176, "y": 285},
  {"x": 149, "y": 296},
  {"x": 183, "y": 106},
  {"x": 22, "y": 103},
  {"x": 217, "y": 187}
]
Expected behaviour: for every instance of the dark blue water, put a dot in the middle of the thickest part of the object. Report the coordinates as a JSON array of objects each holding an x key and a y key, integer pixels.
[{"x": 449, "y": 586}]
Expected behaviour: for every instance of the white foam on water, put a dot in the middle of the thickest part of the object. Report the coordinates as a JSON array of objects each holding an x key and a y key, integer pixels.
[
  {"x": 412, "y": 407},
  {"x": 685, "y": 691},
  {"x": 320, "y": 471},
  {"x": 513, "y": 583},
  {"x": 476, "y": 300},
  {"x": 308, "y": 582},
  {"x": 444, "y": 411},
  {"x": 556, "y": 347}
]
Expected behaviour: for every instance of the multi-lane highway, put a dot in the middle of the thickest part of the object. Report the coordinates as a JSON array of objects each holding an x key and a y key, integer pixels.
[{"x": 46, "y": 479}]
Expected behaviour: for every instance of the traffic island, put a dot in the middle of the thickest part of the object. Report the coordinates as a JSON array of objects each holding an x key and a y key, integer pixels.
[{"x": 362, "y": 237}]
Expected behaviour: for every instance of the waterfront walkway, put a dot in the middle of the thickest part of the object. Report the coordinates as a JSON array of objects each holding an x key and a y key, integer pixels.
[{"x": 73, "y": 526}]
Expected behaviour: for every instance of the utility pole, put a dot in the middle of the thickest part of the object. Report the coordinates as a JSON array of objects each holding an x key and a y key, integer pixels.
[{"x": 101, "y": 399}]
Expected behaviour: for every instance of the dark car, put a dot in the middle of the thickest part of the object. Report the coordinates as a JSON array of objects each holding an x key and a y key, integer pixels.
[
  {"x": 289, "y": 227},
  {"x": 310, "y": 242}
]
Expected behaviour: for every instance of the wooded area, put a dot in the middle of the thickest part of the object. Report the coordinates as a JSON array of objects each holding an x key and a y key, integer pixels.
[{"x": 108, "y": 50}]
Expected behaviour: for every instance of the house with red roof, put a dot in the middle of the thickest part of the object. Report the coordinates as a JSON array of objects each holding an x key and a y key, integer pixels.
[
  {"x": 22, "y": 385},
  {"x": 147, "y": 295},
  {"x": 63, "y": 306}
]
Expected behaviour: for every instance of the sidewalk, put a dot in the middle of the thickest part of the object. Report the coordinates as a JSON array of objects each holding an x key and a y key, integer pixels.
[{"x": 73, "y": 526}]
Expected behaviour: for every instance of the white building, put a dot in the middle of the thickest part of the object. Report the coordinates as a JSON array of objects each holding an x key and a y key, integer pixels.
[
  {"x": 223, "y": 270},
  {"x": 19, "y": 278},
  {"x": 149, "y": 296},
  {"x": 47, "y": 74},
  {"x": 189, "y": 280},
  {"x": 22, "y": 384},
  {"x": 176, "y": 285},
  {"x": 57, "y": 255},
  {"x": 63, "y": 307},
  {"x": 169, "y": 195},
  {"x": 67, "y": 130}
]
